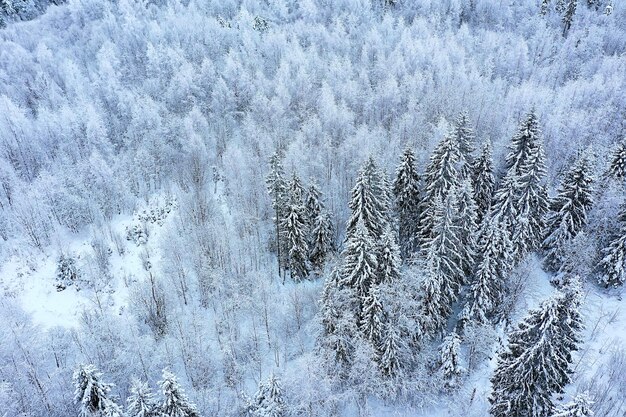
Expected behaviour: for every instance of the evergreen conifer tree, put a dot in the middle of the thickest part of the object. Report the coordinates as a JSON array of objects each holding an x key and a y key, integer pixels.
[
  {"x": 92, "y": 395},
  {"x": 369, "y": 202},
  {"x": 322, "y": 241},
  {"x": 451, "y": 368},
  {"x": 296, "y": 232},
  {"x": 568, "y": 211},
  {"x": 277, "y": 189},
  {"x": 175, "y": 403},
  {"x": 268, "y": 401},
  {"x": 618, "y": 164},
  {"x": 391, "y": 351},
  {"x": 141, "y": 402},
  {"x": 441, "y": 175},
  {"x": 360, "y": 264},
  {"x": 484, "y": 182},
  {"x": 523, "y": 143},
  {"x": 467, "y": 226},
  {"x": 465, "y": 137},
  {"x": 406, "y": 188},
  {"x": 613, "y": 264},
  {"x": 373, "y": 317},
  {"x": 536, "y": 363},
  {"x": 580, "y": 406},
  {"x": 388, "y": 258}
]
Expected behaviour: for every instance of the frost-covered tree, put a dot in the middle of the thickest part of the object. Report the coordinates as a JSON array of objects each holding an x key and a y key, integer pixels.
[
  {"x": 369, "y": 202},
  {"x": 441, "y": 175},
  {"x": 175, "y": 402},
  {"x": 504, "y": 206},
  {"x": 269, "y": 401},
  {"x": 449, "y": 356},
  {"x": 372, "y": 317},
  {"x": 277, "y": 187},
  {"x": 141, "y": 402},
  {"x": 388, "y": 258},
  {"x": 536, "y": 363},
  {"x": 360, "y": 265},
  {"x": 443, "y": 267},
  {"x": 467, "y": 226},
  {"x": 568, "y": 15},
  {"x": 580, "y": 406},
  {"x": 617, "y": 168},
  {"x": 613, "y": 263},
  {"x": 338, "y": 319},
  {"x": 322, "y": 240},
  {"x": 483, "y": 182},
  {"x": 295, "y": 231},
  {"x": 494, "y": 263},
  {"x": 531, "y": 202},
  {"x": 313, "y": 203},
  {"x": 568, "y": 211},
  {"x": 392, "y": 350},
  {"x": 464, "y": 134},
  {"x": 92, "y": 395},
  {"x": 406, "y": 188},
  {"x": 67, "y": 272},
  {"x": 523, "y": 143}
]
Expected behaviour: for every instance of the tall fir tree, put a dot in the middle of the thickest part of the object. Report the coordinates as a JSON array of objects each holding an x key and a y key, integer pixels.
[
  {"x": 613, "y": 263},
  {"x": 175, "y": 401},
  {"x": 467, "y": 226},
  {"x": 441, "y": 175},
  {"x": 277, "y": 188},
  {"x": 392, "y": 351},
  {"x": 465, "y": 137},
  {"x": 141, "y": 402},
  {"x": 504, "y": 206},
  {"x": 92, "y": 395},
  {"x": 617, "y": 169},
  {"x": 568, "y": 211},
  {"x": 523, "y": 143},
  {"x": 531, "y": 202},
  {"x": 322, "y": 241},
  {"x": 406, "y": 188},
  {"x": 494, "y": 263},
  {"x": 269, "y": 401},
  {"x": 537, "y": 362},
  {"x": 388, "y": 258},
  {"x": 369, "y": 202},
  {"x": 449, "y": 354},
  {"x": 313, "y": 203},
  {"x": 360, "y": 264},
  {"x": 443, "y": 264},
  {"x": 296, "y": 232},
  {"x": 568, "y": 15},
  {"x": 373, "y": 317},
  {"x": 483, "y": 181},
  {"x": 338, "y": 319},
  {"x": 580, "y": 406}
]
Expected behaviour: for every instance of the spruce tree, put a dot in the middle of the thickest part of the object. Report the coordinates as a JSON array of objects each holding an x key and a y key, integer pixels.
[
  {"x": 467, "y": 226},
  {"x": 322, "y": 241},
  {"x": 392, "y": 349},
  {"x": 580, "y": 406},
  {"x": 464, "y": 134},
  {"x": 613, "y": 263},
  {"x": 531, "y": 202},
  {"x": 523, "y": 143},
  {"x": 338, "y": 318},
  {"x": 175, "y": 403},
  {"x": 277, "y": 189},
  {"x": 568, "y": 211},
  {"x": 141, "y": 402},
  {"x": 92, "y": 395},
  {"x": 268, "y": 401},
  {"x": 449, "y": 353},
  {"x": 484, "y": 182},
  {"x": 494, "y": 263},
  {"x": 406, "y": 188},
  {"x": 536, "y": 363},
  {"x": 373, "y": 317},
  {"x": 296, "y": 233},
  {"x": 369, "y": 202},
  {"x": 388, "y": 258},
  {"x": 568, "y": 15},
  {"x": 441, "y": 175},
  {"x": 360, "y": 264},
  {"x": 444, "y": 273},
  {"x": 618, "y": 163},
  {"x": 313, "y": 203}
]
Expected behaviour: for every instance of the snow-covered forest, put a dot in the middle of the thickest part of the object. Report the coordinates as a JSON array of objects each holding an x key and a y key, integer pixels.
[{"x": 288, "y": 208}]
